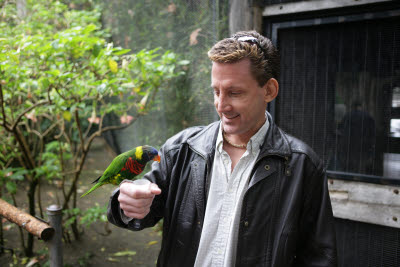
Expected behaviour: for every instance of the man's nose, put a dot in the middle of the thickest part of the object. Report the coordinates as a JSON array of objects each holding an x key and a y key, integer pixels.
[{"x": 224, "y": 103}]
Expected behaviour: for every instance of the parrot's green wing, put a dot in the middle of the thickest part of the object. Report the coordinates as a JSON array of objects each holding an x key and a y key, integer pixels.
[
  {"x": 112, "y": 173},
  {"x": 114, "y": 168}
]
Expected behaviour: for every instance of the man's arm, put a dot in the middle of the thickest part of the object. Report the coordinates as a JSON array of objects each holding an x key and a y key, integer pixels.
[{"x": 145, "y": 206}]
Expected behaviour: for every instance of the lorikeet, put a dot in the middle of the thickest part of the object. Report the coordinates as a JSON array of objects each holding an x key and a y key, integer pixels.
[{"x": 126, "y": 166}]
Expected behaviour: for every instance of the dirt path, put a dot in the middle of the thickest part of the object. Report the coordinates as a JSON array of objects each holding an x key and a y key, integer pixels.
[{"x": 95, "y": 248}]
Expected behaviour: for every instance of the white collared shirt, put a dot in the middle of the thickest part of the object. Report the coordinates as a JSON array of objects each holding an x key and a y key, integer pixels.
[{"x": 218, "y": 240}]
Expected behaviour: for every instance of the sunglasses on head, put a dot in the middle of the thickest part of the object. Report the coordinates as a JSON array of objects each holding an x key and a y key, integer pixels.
[{"x": 250, "y": 40}]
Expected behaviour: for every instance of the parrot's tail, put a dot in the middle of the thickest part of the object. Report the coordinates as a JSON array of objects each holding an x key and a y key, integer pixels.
[
  {"x": 95, "y": 181},
  {"x": 92, "y": 189}
]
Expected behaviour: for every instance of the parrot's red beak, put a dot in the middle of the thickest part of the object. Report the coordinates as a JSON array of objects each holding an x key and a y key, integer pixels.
[{"x": 157, "y": 158}]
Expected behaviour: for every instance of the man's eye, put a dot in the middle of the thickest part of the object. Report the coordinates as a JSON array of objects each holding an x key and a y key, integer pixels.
[
  {"x": 216, "y": 93},
  {"x": 235, "y": 93}
]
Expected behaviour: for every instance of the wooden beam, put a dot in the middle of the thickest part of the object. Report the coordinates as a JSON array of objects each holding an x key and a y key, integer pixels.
[
  {"x": 314, "y": 5},
  {"x": 244, "y": 17},
  {"x": 365, "y": 202},
  {"x": 26, "y": 221}
]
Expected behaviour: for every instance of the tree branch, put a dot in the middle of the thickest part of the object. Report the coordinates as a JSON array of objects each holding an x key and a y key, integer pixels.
[
  {"x": 26, "y": 111},
  {"x": 3, "y": 112},
  {"x": 109, "y": 128},
  {"x": 58, "y": 92},
  {"x": 88, "y": 130},
  {"x": 24, "y": 147},
  {"x": 78, "y": 123},
  {"x": 69, "y": 172},
  {"x": 50, "y": 129}
]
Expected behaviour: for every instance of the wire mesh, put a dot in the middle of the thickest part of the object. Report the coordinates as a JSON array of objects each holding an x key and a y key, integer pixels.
[{"x": 337, "y": 86}]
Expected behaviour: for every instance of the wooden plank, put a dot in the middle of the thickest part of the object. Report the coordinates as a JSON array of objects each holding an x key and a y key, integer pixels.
[
  {"x": 368, "y": 213},
  {"x": 367, "y": 192},
  {"x": 364, "y": 202},
  {"x": 314, "y": 5}
]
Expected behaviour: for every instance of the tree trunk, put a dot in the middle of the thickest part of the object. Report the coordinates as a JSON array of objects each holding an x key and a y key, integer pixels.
[
  {"x": 21, "y": 8},
  {"x": 31, "y": 199},
  {"x": 74, "y": 225},
  {"x": 1, "y": 229}
]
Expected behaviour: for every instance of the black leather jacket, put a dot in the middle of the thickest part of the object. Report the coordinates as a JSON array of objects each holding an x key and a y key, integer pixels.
[{"x": 286, "y": 217}]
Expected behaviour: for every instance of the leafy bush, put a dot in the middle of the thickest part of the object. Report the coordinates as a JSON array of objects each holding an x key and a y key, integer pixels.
[{"x": 60, "y": 79}]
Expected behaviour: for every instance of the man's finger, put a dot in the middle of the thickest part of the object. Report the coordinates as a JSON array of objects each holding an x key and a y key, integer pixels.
[
  {"x": 135, "y": 191},
  {"x": 135, "y": 209},
  {"x": 141, "y": 193}
]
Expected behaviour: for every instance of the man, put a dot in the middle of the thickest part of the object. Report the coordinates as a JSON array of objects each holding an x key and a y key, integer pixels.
[{"x": 238, "y": 192}]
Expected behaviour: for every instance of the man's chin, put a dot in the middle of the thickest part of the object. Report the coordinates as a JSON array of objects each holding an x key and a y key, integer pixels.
[{"x": 230, "y": 129}]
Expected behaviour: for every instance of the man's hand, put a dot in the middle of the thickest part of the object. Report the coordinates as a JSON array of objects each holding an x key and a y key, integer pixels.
[{"x": 135, "y": 200}]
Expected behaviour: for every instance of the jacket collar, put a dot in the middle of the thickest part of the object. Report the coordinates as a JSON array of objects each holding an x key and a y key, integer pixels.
[
  {"x": 201, "y": 141},
  {"x": 275, "y": 142}
]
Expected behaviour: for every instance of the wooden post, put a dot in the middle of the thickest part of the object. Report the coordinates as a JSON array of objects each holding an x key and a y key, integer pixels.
[
  {"x": 245, "y": 15},
  {"x": 26, "y": 221}
]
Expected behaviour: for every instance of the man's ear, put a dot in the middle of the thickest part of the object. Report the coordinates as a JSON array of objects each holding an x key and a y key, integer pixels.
[{"x": 271, "y": 90}]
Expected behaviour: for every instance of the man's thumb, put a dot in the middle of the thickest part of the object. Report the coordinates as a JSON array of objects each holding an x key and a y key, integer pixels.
[{"x": 155, "y": 189}]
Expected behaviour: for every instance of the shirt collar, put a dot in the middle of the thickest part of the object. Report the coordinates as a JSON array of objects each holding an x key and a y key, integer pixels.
[{"x": 255, "y": 142}]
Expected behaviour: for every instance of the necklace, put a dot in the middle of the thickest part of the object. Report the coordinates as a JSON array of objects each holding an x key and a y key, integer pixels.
[{"x": 232, "y": 144}]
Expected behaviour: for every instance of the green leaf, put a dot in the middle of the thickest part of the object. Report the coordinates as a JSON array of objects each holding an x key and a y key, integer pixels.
[
  {"x": 45, "y": 83},
  {"x": 152, "y": 243},
  {"x": 53, "y": 72},
  {"x": 125, "y": 253},
  {"x": 96, "y": 50},
  {"x": 122, "y": 52},
  {"x": 67, "y": 115},
  {"x": 11, "y": 187},
  {"x": 54, "y": 44},
  {"x": 113, "y": 66},
  {"x": 101, "y": 88},
  {"x": 183, "y": 62},
  {"x": 90, "y": 28},
  {"x": 19, "y": 174}
]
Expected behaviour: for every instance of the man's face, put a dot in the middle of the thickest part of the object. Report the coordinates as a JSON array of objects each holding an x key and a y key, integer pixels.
[{"x": 239, "y": 100}]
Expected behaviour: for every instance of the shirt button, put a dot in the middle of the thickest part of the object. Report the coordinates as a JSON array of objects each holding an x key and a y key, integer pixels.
[
  {"x": 246, "y": 223},
  {"x": 267, "y": 167}
]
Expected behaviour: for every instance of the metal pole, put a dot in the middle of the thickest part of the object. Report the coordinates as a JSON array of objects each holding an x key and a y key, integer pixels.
[{"x": 55, "y": 244}]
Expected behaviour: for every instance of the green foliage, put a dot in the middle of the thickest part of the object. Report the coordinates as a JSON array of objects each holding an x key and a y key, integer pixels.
[
  {"x": 72, "y": 216},
  {"x": 82, "y": 261},
  {"x": 93, "y": 215},
  {"x": 10, "y": 176},
  {"x": 60, "y": 78},
  {"x": 188, "y": 28},
  {"x": 51, "y": 167},
  {"x": 87, "y": 217}
]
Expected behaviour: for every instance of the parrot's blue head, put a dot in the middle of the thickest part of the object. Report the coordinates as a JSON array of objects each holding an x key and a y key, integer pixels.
[{"x": 150, "y": 153}]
